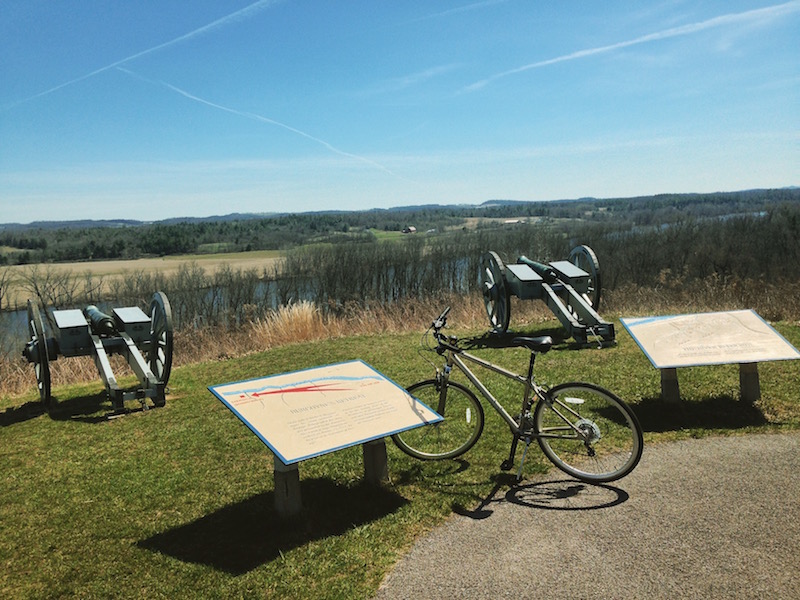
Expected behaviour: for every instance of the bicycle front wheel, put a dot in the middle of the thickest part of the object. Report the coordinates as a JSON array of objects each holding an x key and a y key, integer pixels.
[
  {"x": 452, "y": 437},
  {"x": 588, "y": 432}
]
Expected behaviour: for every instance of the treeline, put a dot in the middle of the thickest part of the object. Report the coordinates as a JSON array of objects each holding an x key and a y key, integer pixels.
[
  {"x": 40, "y": 245},
  {"x": 753, "y": 252},
  {"x": 642, "y": 210},
  {"x": 742, "y": 249},
  {"x": 27, "y": 245}
]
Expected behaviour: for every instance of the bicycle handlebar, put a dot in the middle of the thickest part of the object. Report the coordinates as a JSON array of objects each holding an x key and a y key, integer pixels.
[{"x": 441, "y": 320}]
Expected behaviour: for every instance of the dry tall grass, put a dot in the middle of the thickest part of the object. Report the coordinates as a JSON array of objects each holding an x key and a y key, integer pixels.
[
  {"x": 303, "y": 321},
  {"x": 295, "y": 323}
]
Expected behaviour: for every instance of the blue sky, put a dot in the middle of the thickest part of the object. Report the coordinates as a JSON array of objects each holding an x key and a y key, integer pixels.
[{"x": 160, "y": 108}]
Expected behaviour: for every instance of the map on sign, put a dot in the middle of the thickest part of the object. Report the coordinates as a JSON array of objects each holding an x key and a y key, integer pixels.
[
  {"x": 308, "y": 413},
  {"x": 694, "y": 340}
]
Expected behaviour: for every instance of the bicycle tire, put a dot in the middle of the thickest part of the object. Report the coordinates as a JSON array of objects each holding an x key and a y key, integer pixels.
[
  {"x": 611, "y": 443},
  {"x": 450, "y": 438}
]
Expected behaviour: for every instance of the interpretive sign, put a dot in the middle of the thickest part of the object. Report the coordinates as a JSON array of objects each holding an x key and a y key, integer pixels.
[
  {"x": 739, "y": 336},
  {"x": 304, "y": 414}
]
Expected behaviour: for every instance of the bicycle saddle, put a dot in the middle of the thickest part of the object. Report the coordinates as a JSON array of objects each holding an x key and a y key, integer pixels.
[{"x": 534, "y": 344}]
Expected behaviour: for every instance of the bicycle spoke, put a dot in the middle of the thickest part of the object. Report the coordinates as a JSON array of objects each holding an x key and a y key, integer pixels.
[
  {"x": 597, "y": 438},
  {"x": 457, "y": 433}
]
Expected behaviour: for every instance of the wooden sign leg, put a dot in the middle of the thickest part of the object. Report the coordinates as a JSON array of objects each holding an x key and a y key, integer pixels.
[
  {"x": 376, "y": 466},
  {"x": 670, "y": 391},
  {"x": 749, "y": 383},
  {"x": 287, "y": 489}
]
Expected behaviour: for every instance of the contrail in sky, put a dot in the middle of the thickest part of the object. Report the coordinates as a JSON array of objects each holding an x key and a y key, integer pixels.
[
  {"x": 239, "y": 15},
  {"x": 457, "y": 10},
  {"x": 769, "y": 12},
  {"x": 262, "y": 119}
]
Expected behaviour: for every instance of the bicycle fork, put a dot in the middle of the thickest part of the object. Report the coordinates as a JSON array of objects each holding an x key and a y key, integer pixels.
[{"x": 441, "y": 381}]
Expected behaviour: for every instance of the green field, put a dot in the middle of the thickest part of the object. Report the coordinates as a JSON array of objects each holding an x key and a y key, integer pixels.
[{"x": 178, "y": 502}]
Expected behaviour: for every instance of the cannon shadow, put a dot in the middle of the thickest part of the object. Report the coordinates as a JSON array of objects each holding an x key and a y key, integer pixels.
[
  {"x": 20, "y": 414},
  {"x": 490, "y": 339}
]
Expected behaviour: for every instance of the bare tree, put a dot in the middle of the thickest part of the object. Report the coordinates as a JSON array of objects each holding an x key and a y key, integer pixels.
[
  {"x": 5, "y": 280},
  {"x": 53, "y": 289}
]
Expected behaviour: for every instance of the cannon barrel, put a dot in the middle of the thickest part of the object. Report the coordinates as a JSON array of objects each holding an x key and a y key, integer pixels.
[
  {"x": 547, "y": 272},
  {"x": 101, "y": 323}
]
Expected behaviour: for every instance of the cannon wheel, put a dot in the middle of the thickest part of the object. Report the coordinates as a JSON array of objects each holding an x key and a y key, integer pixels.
[
  {"x": 42, "y": 366},
  {"x": 584, "y": 258},
  {"x": 495, "y": 293},
  {"x": 159, "y": 355}
]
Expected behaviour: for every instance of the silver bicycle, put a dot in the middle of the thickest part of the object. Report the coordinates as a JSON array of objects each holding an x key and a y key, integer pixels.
[{"x": 583, "y": 429}]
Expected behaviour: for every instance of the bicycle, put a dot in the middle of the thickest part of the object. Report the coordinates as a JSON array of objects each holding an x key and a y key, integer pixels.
[{"x": 583, "y": 429}]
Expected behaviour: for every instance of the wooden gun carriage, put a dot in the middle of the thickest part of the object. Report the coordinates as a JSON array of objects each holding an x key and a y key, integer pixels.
[
  {"x": 570, "y": 288},
  {"x": 145, "y": 342}
]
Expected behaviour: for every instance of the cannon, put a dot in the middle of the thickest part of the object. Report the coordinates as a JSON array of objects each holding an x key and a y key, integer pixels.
[
  {"x": 145, "y": 342},
  {"x": 570, "y": 288}
]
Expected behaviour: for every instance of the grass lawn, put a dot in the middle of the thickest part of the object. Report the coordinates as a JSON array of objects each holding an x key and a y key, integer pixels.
[{"x": 178, "y": 502}]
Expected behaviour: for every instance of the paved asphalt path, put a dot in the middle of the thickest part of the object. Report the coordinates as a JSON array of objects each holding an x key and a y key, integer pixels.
[{"x": 710, "y": 518}]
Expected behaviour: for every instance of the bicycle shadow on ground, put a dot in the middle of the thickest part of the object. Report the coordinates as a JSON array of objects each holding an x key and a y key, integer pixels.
[
  {"x": 243, "y": 536},
  {"x": 715, "y": 412},
  {"x": 557, "y": 494},
  {"x": 421, "y": 470},
  {"x": 566, "y": 494}
]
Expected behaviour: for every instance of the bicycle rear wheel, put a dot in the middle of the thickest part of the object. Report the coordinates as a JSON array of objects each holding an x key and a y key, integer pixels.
[
  {"x": 588, "y": 432},
  {"x": 452, "y": 437}
]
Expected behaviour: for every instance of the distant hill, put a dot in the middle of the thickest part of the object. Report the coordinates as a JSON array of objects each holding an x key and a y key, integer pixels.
[
  {"x": 83, "y": 224},
  {"x": 496, "y": 203},
  {"x": 91, "y": 224},
  {"x": 414, "y": 208}
]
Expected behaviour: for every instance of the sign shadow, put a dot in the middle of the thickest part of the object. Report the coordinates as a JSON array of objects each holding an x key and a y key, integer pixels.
[
  {"x": 715, "y": 412},
  {"x": 243, "y": 536}
]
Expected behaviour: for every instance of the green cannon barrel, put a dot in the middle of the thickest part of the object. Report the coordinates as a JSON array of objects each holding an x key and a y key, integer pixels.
[
  {"x": 547, "y": 272},
  {"x": 100, "y": 322}
]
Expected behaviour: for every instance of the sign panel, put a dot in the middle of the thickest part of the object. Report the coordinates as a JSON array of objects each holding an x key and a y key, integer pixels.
[
  {"x": 694, "y": 340},
  {"x": 304, "y": 414}
]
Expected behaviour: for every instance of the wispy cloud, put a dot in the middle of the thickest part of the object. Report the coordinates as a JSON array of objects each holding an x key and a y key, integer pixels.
[
  {"x": 259, "y": 118},
  {"x": 397, "y": 84},
  {"x": 235, "y": 17},
  {"x": 768, "y": 13},
  {"x": 459, "y": 9}
]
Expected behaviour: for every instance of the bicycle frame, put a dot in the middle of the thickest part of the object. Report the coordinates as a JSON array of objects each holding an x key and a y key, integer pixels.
[
  {"x": 567, "y": 420},
  {"x": 454, "y": 357}
]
